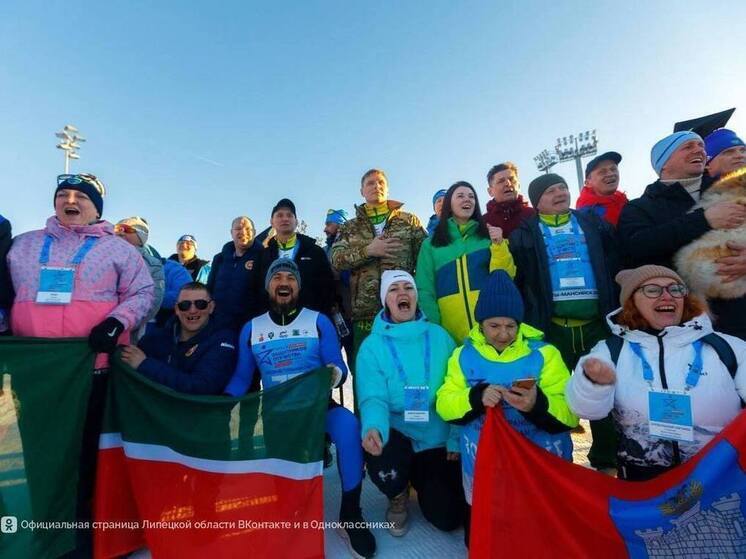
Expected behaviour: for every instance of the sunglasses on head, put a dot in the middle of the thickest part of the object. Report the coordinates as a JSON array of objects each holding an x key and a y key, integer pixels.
[
  {"x": 652, "y": 291},
  {"x": 201, "y": 304},
  {"x": 124, "y": 228},
  {"x": 80, "y": 178}
]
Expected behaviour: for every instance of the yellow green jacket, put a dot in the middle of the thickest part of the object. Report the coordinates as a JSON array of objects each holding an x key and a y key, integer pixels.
[
  {"x": 449, "y": 278},
  {"x": 452, "y": 401}
]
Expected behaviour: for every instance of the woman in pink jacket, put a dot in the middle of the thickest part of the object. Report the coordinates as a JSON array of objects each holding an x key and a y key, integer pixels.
[{"x": 75, "y": 278}]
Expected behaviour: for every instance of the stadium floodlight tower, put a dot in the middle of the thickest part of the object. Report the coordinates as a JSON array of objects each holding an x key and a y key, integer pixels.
[
  {"x": 545, "y": 161},
  {"x": 69, "y": 143},
  {"x": 576, "y": 147}
]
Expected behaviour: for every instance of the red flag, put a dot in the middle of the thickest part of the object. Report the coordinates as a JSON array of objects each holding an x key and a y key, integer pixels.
[
  {"x": 529, "y": 503},
  {"x": 204, "y": 476}
]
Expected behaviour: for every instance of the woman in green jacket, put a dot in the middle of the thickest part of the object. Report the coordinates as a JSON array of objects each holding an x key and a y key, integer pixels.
[{"x": 455, "y": 262}]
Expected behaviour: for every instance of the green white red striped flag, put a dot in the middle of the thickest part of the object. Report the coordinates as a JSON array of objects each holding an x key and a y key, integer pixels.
[
  {"x": 199, "y": 476},
  {"x": 43, "y": 401}
]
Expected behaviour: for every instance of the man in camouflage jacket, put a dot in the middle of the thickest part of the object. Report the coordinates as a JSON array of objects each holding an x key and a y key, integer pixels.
[{"x": 380, "y": 237}]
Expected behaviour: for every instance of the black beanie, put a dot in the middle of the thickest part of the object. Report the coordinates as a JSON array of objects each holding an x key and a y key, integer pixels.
[
  {"x": 540, "y": 184},
  {"x": 82, "y": 184},
  {"x": 284, "y": 203}
]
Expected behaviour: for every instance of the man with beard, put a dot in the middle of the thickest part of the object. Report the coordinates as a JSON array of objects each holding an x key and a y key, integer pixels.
[
  {"x": 600, "y": 193},
  {"x": 288, "y": 341},
  {"x": 234, "y": 277},
  {"x": 566, "y": 262},
  {"x": 507, "y": 209}
]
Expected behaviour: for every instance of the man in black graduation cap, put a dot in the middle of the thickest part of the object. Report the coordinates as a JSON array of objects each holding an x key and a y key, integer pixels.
[{"x": 655, "y": 226}]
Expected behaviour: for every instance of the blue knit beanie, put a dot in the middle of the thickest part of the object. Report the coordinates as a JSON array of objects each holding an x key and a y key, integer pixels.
[
  {"x": 336, "y": 216},
  {"x": 499, "y": 297},
  {"x": 438, "y": 195},
  {"x": 719, "y": 141},
  {"x": 663, "y": 149}
]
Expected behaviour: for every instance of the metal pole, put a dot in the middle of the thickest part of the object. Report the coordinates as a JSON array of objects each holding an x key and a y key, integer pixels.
[
  {"x": 67, "y": 163},
  {"x": 579, "y": 169}
]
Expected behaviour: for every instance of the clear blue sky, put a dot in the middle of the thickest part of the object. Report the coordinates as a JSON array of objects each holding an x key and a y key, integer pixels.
[{"x": 196, "y": 112}]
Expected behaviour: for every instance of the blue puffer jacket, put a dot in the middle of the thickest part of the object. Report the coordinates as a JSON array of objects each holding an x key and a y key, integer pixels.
[
  {"x": 236, "y": 285},
  {"x": 201, "y": 365},
  {"x": 380, "y": 388}
]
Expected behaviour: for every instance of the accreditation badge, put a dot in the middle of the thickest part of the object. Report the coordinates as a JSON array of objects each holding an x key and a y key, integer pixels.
[
  {"x": 55, "y": 286},
  {"x": 670, "y": 414},
  {"x": 416, "y": 404}
]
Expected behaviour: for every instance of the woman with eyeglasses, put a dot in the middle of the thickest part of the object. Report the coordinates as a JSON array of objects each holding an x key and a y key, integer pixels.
[{"x": 670, "y": 382}]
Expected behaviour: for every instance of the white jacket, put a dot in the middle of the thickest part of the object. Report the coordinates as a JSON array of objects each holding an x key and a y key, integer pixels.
[{"x": 716, "y": 399}]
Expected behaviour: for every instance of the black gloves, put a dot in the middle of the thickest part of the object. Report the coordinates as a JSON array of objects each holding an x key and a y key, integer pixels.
[{"x": 103, "y": 337}]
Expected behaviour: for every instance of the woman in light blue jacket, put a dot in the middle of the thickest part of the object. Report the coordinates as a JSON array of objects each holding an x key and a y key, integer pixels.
[{"x": 399, "y": 369}]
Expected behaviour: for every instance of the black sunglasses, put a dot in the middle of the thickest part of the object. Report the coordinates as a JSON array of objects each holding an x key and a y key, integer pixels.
[{"x": 201, "y": 304}]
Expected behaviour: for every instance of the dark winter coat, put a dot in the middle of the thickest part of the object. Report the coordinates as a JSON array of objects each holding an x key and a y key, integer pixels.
[
  {"x": 654, "y": 226},
  {"x": 201, "y": 365},
  {"x": 236, "y": 285}
]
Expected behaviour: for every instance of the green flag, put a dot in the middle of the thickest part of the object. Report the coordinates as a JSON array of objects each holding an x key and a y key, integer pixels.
[
  {"x": 211, "y": 476},
  {"x": 43, "y": 403}
]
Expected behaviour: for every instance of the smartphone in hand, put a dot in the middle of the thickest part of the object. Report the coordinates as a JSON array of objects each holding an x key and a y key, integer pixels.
[{"x": 526, "y": 383}]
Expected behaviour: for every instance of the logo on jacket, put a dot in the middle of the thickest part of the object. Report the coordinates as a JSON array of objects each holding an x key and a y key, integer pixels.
[
  {"x": 249, "y": 265},
  {"x": 388, "y": 475},
  {"x": 191, "y": 350},
  {"x": 284, "y": 334}
]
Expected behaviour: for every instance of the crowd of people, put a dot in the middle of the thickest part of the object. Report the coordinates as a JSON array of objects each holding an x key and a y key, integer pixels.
[{"x": 549, "y": 312}]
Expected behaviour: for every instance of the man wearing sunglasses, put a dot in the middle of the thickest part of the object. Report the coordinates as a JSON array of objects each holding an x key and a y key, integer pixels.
[{"x": 190, "y": 354}]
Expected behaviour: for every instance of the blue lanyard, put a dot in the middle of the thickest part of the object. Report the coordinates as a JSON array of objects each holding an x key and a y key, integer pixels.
[
  {"x": 77, "y": 259},
  {"x": 398, "y": 363},
  {"x": 695, "y": 369}
]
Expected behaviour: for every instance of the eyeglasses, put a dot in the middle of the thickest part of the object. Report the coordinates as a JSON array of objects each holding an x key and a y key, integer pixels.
[
  {"x": 201, "y": 305},
  {"x": 124, "y": 228},
  {"x": 653, "y": 291},
  {"x": 82, "y": 177}
]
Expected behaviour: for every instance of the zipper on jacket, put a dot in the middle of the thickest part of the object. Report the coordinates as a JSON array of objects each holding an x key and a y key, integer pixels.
[
  {"x": 462, "y": 272},
  {"x": 664, "y": 384}
]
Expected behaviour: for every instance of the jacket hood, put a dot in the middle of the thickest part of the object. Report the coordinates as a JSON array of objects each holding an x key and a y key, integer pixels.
[
  {"x": 517, "y": 349},
  {"x": 680, "y": 336},
  {"x": 98, "y": 229},
  {"x": 411, "y": 329}
]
